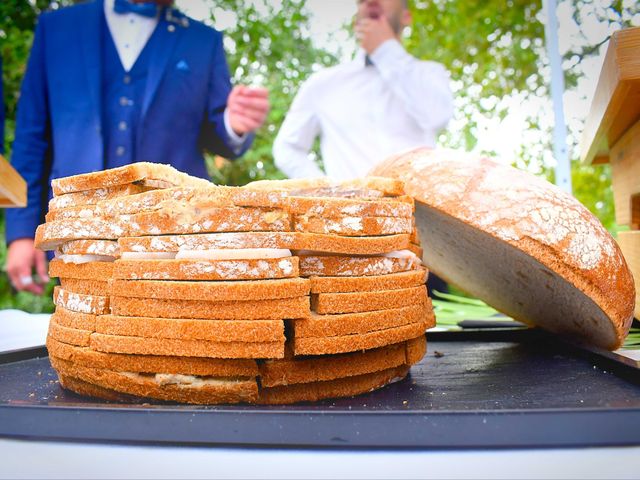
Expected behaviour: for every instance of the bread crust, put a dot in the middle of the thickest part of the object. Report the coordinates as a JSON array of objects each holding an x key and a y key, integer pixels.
[
  {"x": 366, "y": 187},
  {"x": 50, "y": 235},
  {"x": 107, "y": 248},
  {"x": 285, "y": 240},
  {"x": 201, "y": 366},
  {"x": 352, "y": 226},
  {"x": 268, "y": 268},
  {"x": 71, "y": 336},
  {"x": 218, "y": 195},
  {"x": 349, "y": 302},
  {"x": 136, "y": 172},
  {"x": 86, "y": 287},
  {"x": 99, "y": 271},
  {"x": 339, "y": 207},
  {"x": 391, "y": 281},
  {"x": 275, "y": 373},
  {"x": 355, "y": 342},
  {"x": 187, "y": 329},
  {"x": 360, "y": 323},
  {"x": 86, "y": 389},
  {"x": 77, "y": 302},
  {"x": 182, "y": 219},
  {"x": 272, "y": 309},
  {"x": 344, "y": 266},
  {"x": 341, "y": 387},
  {"x": 222, "y": 391},
  {"x": 92, "y": 197},
  {"x": 185, "y": 348},
  {"x": 71, "y": 319},
  {"x": 213, "y": 291}
]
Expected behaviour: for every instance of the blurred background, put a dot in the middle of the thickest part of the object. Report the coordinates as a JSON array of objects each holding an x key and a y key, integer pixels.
[{"x": 495, "y": 51}]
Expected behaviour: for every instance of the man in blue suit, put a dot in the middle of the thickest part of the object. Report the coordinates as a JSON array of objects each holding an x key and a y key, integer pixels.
[{"x": 112, "y": 82}]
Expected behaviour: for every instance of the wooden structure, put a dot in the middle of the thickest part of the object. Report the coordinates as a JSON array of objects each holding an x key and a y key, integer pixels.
[
  {"x": 612, "y": 134},
  {"x": 13, "y": 188}
]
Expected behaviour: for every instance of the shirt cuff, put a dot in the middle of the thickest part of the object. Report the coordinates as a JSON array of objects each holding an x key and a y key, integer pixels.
[
  {"x": 389, "y": 53},
  {"x": 236, "y": 141}
]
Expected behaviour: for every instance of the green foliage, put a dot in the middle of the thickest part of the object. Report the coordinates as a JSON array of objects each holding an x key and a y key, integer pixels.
[
  {"x": 21, "y": 300},
  {"x": 269, "y": 45},
  {"x": 491, "y": 48}
]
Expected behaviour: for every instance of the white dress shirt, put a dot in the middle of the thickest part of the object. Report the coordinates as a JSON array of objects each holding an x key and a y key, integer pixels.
[
  {"x": 130, "y": 33},
  {"x": 363, "y": 114}
]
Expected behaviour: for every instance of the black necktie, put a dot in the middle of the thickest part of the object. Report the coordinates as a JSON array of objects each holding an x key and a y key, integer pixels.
[{"x": 367, "y": 61}]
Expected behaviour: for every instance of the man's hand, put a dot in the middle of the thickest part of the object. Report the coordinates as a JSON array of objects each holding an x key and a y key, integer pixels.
[
  {"x": 373, "y": 32},
  {"x": 22, "y": 257},
  {"x": 247, "y": 108}
]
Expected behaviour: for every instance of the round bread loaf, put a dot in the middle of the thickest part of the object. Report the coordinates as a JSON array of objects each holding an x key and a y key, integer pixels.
[{"x": 519, "y": 243}]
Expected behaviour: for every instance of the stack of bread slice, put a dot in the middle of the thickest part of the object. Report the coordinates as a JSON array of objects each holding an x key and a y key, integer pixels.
[{"x": 277, "y": 292}]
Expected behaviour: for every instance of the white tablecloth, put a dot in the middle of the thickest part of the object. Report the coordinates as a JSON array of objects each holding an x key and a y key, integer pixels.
[{"x": 19, "y": 329}]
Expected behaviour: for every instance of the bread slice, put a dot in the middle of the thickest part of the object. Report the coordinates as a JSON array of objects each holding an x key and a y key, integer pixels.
[
  {"x": 398, "y": 207},
  {"x": 50, "y": 235},
  {"x": 86, "y": 389},
  {"x": 86, "y": 287},
  {"x": 280, "y": 240},
  {"x": 76, "y": 320},
  {"x": 346, "y": 266},
  {"x": 355, "y": 342},
  {"x": 352, "y": 226},
  {"x": 209, "y": 241},
  {"x": 558, "y": 267},
  {"x": 273, "y": 309},
  {"x": 342, "y": 245},
  {"x": 77, "y": 212},
  {"x": 187, "y": 329},
  {"x": 206, "y": 269},
  {"x": 105, "y": 248},
  {"x": 145, "y": 172},
  {"x": 213, "y": 195},
  {"x": 185, "y": 348},
  {"x": 350, "y": 302},
  {"x": 391, "y": 281},
  {"x": 213, "y": 291},
  {"x": 92, "y": 197},
  {"x": 416, "y": 349},
  {"x": 68, "y": 335},
  {"x": 359, "y": 323},
  {"x": 341, "y": 387},
  {"x": 100, "y": 271},
  {"x": 274, "y": 373},
  {"x": 367, "y": 187},
  {"x": 178, "y": 218},
  {"x": 198, "y": 390},
  {"x": 77, "y": 302},
  {"x": 200, "y": 366}
]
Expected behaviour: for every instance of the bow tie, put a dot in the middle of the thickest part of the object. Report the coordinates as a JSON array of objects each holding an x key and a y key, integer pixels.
[
  {"x": 146, "y": 9},
  {"x": 367, "y": 61}
]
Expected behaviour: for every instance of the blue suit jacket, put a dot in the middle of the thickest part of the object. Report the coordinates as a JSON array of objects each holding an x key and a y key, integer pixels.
[{"x": 58, "y": 131}]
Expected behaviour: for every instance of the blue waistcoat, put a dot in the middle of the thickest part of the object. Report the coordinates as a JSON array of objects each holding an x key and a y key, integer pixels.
[
  {"x": 62, "y": 126},
  {"x": 122, "y": 96}
]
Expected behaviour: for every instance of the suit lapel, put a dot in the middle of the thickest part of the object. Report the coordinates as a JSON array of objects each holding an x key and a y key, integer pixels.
[
  {"x": 92, "y": 53},
  {"x": 167, "y": 37}
]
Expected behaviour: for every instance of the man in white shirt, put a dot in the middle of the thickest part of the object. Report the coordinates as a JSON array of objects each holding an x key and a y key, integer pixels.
[{"x": 383, "y": 102}]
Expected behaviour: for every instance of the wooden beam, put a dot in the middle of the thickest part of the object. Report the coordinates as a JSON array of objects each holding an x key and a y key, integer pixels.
[
  {"x": 616, "y": 103},
  {"x": 13, "y": 188}
]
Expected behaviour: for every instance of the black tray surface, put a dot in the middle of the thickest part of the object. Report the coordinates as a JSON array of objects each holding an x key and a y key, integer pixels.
[{"x": 518, "y": 388}]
